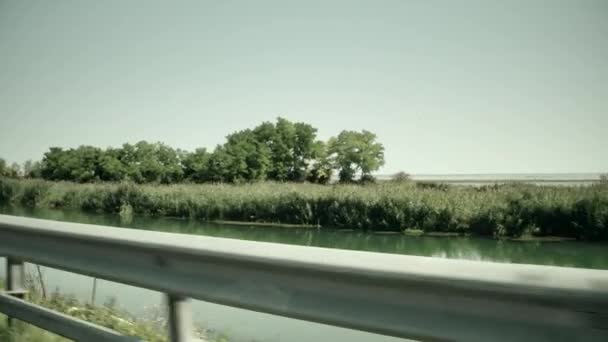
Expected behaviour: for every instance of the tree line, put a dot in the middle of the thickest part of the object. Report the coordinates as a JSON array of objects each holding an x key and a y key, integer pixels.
[{"x": 280, "y": 151}]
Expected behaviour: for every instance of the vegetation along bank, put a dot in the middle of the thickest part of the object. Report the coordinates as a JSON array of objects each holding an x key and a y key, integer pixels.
[
  {"x": 510, "y": 210},
  {"x": 278, "y": 172},
  {"x": 150, "y": 327}
]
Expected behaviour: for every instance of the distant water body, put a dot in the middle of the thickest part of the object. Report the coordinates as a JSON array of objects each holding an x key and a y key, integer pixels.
[{"x": 490, "y": 178}]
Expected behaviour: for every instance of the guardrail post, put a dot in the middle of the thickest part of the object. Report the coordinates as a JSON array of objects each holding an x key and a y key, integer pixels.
[
  {"x": 180, "y": 319},
  {"x": 15, "y": 281}
]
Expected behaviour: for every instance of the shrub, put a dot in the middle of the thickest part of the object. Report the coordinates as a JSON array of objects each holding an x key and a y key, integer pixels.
[
  {"x": 401, "y": 177},
  {"x": 433, "y": 186},
  {"x": 33, "y": 193},
  {"x": 8, "y": 189}
]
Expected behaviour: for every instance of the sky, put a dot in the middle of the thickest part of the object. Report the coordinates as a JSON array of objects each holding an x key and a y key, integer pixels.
[{"x": 448, "y": 86}]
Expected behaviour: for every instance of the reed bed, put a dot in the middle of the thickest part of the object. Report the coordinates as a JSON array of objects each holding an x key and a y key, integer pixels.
[{"x": 508, "y": 210}]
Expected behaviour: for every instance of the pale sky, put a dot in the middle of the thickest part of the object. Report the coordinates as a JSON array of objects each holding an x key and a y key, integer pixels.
[{"x": 448, "y": 86}]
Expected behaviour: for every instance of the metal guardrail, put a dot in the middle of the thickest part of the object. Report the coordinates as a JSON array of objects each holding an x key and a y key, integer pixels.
[
  {"x": 58, "y": 323},
  {"x": 404, "y": 296}
]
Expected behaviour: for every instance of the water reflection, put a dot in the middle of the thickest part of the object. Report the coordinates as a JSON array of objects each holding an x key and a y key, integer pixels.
[
  {"x": 568, "y": 253},
  {"x": 242, "y": 325}
]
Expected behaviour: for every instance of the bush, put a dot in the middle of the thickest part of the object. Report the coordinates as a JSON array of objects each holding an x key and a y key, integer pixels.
[
  {"x": 433, "y": 186},
  {"x": 590, "y": 218},
  {"x": 33, "y": 193},
  {"x": 8, "y": 189},
  {"x": 401, "y": 177},
  {"x": 367, "y": 179}
]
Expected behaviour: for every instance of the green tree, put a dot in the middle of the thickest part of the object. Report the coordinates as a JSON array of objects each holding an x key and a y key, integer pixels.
[
  {"x": 31, "y": 169},
  {"x": 147, "y": 162},
  {"x": 293, "y": 148},
  {"x": 278, "y": 139},
  {"x": 83, "y": 163},
  {"x": 282, "y": 151},
  {"x": 15, "y": 170},
  {"x": 9, "y": 171},
  {"x": 110, "y": 167},
  {"x": 54, "y": 165},
  {"x": 248, "y": 158},
  {"x": 307, "y": 151},
  {"x": 218, "y": 169},
  {"x": 355, "y": 153},
  {"x": 321, "y": 169},
  {"x": 196, "y": 165},
  {"x": 142, "y": 162},
  {"x": 170, "y": 159},
  {"x": 78, "y": 165},
  {"x": 131, "y": 161}
]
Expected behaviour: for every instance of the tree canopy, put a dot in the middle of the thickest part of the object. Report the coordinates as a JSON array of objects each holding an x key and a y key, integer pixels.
[
  {"x": 278, "y": 151},
  {"x": 9, "y": 171},
  {"x": 356, "y": 153}
]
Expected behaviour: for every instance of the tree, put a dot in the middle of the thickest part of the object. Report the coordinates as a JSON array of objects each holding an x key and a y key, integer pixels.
[
  {"x": 219, "y": 165},
  {"x": 110, "y": 167},
  {"x": 15, "y": 170},
  {"x": 281, "y": 151},
  {"x": 149, "y": 167},
  {"x": 78, "y": 165},
  {"x": 292, "y": 148},
  {"x": 130, "y": 160},
  {"x": 9, "y": 171},
  {"x": 279, "y": 140},
  {"x": 196, "y": 165},
  {"x": 147, "y": 162},
  {"x": 83, "y": 163},
  {"x": 248, "y": 159},
  {"x": 31, "y": 169},
  {"x": 53, "y": 165},
  {"x": 321, "y": 169},
  {"x": 355, "y": 153},
  {"x": 307, "y": 150},
  {"x": 169, "y": 158}
]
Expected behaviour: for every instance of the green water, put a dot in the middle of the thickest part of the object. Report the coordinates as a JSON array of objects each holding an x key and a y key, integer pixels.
[
  {"x": 246, "y": 326},
  {"x": 564, "y": 253}
]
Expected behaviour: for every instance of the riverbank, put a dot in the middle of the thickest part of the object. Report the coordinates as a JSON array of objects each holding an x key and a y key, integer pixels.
[
  {"x": 107, "y": 315},
  {"x": 152, "y": 328},
  {"x": 513, "y": 210}
]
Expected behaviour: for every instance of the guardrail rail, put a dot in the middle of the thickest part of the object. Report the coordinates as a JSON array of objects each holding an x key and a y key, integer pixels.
[{"x": 411, "y": 297}]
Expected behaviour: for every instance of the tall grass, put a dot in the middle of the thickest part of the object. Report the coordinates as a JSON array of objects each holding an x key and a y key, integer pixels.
[{"x": 501, "y": 210}]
